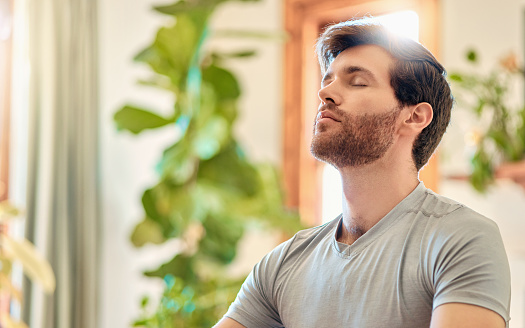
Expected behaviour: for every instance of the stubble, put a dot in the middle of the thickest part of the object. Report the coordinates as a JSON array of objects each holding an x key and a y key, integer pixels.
[{"x": 357, "y": 141}]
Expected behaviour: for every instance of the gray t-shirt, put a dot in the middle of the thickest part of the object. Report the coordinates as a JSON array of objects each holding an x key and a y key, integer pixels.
[{"x": 427, "y": 251}]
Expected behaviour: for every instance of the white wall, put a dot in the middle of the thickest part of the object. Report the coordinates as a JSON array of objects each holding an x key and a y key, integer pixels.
[
  {"x": 493, "y": 28},
  {"x": 127, "y": 162}
]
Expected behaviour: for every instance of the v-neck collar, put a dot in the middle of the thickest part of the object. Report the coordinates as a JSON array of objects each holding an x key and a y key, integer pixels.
[{"x": 379, "y": 228}]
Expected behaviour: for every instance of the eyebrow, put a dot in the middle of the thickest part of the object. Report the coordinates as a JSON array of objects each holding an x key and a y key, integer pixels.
[{"x": 351, "y": 69}]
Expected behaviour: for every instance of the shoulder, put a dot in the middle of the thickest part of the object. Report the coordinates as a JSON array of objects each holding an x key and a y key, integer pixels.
[
  {"x": 302, "y": 240},
  {"x": 450, "y": 226},
  {"x": 463, "y": 256},
  {"x": 436, "y": 206},
  {"x": 260, "y": 286},
  {"x": 445, "y": 216},
  {"x": 449, "y": 218},
  {"x": 319, "y": 231}
]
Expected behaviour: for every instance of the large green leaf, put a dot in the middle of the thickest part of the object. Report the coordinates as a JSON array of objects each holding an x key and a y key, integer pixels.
[
  {"x": 182, "y": 7},
  {"x": 159, "y": 81},
  {"x": 230, "y": 171},
  {"x": 175, "y": 47},
  {"x": 171, "y": 207},
  {"x": 212, "y": 196},
  {"x": 160, "y": 64},
  {"x": 182, "y": 207},
  {"x": 179, "y": 162},
  {"x": 147, "y": 231},
  {"x": 149, "y": 202},
  {"x": 136, "y": 119},
  {"x": 212, "y": 137},
  {"x": 222, "y": 236},
  {"x": 180, "y": 266},
  {"x": 223, "y": 81},
  {"x": 271, "y": 193}
]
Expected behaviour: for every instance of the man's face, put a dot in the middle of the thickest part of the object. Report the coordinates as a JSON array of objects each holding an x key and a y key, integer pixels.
[{"x": 356, "y": 121}]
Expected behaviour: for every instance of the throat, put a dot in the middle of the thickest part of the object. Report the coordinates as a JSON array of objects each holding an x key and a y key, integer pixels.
[{"x": 349, "y": 234}]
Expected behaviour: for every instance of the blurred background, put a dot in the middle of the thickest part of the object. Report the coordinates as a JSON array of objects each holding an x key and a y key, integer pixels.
[{"x": 80, "y": 173}]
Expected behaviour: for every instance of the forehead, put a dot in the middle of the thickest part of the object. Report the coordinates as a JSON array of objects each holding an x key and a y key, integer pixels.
[{"x": 371, "y": 58}]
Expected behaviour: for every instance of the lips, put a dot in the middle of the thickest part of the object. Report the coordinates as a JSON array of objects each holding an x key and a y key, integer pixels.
[{"x": 325, "y": 114}]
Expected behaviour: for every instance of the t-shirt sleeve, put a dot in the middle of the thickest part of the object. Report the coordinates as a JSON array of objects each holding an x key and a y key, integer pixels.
[
  {"x": 255, "y": 304},
  {"x": 469, "y": 263}
]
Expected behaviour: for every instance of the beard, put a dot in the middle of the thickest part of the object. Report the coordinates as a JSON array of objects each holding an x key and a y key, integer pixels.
[{"x": 359, "y": 140}]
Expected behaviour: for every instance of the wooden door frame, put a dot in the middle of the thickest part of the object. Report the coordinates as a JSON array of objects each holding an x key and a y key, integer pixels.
[
  {"x": 301, "y": 172},
  {"x": 6, "y": 50}
]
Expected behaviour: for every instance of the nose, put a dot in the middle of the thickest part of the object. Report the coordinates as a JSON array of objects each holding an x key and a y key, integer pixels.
[{"x": 327, "y": 94}]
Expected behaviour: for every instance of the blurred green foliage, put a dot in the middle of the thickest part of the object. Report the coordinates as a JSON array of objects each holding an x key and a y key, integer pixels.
[
  {"x": 183, "y": 305},
  {"x": 488, "y": 95},
  {"x": 208, "y": 190}
]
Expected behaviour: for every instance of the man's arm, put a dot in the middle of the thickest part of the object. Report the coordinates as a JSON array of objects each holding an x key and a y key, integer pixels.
[
  {"x": 460, "y": 315},
  {"x": 228, "y": 323}
]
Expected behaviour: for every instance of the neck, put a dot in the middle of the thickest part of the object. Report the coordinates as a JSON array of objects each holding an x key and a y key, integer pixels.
[{"x": 369, "y": 193}]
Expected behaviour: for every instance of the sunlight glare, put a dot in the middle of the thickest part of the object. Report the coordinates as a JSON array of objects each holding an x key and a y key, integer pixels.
[{"x": 405, "y": 23}]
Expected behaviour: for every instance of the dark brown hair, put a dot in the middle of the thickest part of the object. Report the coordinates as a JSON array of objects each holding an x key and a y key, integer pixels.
[{"x": 415, "y": 77}]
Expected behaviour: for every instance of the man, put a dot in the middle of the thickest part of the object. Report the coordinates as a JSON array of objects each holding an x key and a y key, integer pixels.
[{"x": 399, "y": 255}]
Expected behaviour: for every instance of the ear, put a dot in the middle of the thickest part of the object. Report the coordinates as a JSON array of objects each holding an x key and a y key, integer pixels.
[{"x": 417, "y": 118}]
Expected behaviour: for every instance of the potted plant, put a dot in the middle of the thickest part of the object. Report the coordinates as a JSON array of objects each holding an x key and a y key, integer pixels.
[
  {"x": 208, "y": 191},
  {"x": 500, "y": 132}
]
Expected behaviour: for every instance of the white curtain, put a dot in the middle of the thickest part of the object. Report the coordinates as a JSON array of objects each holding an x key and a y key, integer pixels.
[{"x": 62, "y": 204}]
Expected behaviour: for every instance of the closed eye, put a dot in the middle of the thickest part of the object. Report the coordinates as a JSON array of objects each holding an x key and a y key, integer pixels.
[{"x": 358, "y": 81}]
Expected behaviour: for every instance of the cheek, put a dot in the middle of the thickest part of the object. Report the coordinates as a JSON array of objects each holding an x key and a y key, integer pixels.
[
  {"x": 371, "y": 101},
  {"x": 377, "y": 106},
  {"x": 385, "y": 101}
]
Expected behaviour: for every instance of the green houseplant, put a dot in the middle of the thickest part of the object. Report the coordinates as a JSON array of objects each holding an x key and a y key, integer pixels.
[
  {"x": 500, "y": 136},
  {"x": 208, "y": 190}
]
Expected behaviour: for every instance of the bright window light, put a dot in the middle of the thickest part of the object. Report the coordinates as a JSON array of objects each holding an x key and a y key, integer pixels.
[
  {"x": 405, "y": 23},
  {"x": 332, "y": 196}
]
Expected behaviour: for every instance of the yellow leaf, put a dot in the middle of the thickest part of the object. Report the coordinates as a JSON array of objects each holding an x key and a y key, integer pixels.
[
  {"x": 34, "y": 265},
  {"x": 8, "y": 322},
  {"x": 7, "y": 285},
  {"x": 7, "y": 211},
  {"x": 5, "y": 264}
]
